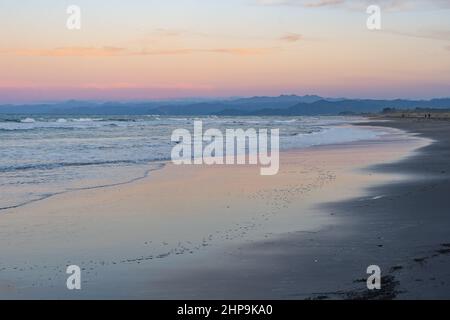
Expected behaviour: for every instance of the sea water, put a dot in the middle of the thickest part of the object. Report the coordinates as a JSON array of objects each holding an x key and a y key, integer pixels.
[{"x": 45, "y": 155}]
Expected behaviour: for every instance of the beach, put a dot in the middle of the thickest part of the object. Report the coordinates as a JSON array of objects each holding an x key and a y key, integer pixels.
[
  {"x": 222, "y": 232},
  {"x": 225, "y": 158}
]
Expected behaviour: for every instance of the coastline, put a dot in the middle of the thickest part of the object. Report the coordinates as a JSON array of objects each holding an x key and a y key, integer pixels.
[
  {"x": 250, "y": 210},
  {"x": 421, "y": 208},
  {"x": 400, "y": 225}
]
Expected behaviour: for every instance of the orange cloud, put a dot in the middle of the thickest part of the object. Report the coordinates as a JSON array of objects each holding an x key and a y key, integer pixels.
[
  {"x": 242, "y": 51},
  {"x": 70, "y": 52},
  {"x": 291, "y": 37},
  {"x": 116, "y": 51},
  {"x": 233, "y": 51}
]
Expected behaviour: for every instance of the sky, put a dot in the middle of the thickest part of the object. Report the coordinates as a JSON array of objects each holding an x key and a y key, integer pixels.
[{"x": 162, "y": 49}]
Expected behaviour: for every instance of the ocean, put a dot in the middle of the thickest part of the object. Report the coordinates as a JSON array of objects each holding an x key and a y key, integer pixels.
[{"x": 41, "y": 156}]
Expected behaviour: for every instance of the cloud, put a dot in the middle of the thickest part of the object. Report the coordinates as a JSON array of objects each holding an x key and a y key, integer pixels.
[
  {"x": 232, "y": 51},
  {"x": 69, "y": 52},
  {"x": 168, "y": 32},
  {"x": 116, "y": 51},
  {"x": 303, "y": 3},
  {"x": 242, "y": 51},
  {"x": 389, "y": 5},
  {"x": 161, "y": 52},
  {"x": 291, "y": 37},
  {"x": 434, "y": 34},
  {"x": 430, "y": 34}
]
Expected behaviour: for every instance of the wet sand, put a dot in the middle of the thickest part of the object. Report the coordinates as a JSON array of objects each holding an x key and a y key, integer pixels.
[
  {"x": 402, "y": 225},
  {"x": 189, "y": 232}
]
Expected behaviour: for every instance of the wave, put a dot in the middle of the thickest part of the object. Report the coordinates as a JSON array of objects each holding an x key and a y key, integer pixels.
[
  {"x": 112, "y": 184},
  {"x": 22, "y": 129},
  {"x": 69, "y": 119},
  {"x": 85, "y": 119},
  {"x": 28, "y": 120},
  {"x": 56, "y": 165},
  {"x": 10, "y": 120}
]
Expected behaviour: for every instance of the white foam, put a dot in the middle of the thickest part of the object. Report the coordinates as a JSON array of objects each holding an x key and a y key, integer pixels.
[{"x": 28, "y": 120}]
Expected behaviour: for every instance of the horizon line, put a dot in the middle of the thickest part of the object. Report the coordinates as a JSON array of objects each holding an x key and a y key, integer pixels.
[{"x": 212, "y": 98}]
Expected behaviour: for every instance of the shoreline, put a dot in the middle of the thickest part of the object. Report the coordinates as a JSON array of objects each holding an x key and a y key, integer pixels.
[
  {"x": 400, "y": 225},
  {"x": 71, "y": 224},
  {"x": 158, "y": 164},
  {"x": 288, "y": 265}
]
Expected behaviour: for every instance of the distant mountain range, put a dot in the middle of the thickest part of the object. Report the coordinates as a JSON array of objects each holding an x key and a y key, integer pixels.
[{"x": 284, "y": 105}]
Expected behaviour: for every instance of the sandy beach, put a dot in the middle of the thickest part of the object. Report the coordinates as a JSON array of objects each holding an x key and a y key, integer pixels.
[
  {"x": 256, "y": 154},
  {"x": 210, "y": 232}
]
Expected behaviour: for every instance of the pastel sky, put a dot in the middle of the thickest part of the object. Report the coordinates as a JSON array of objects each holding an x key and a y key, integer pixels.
[{"x": 157, "y": 49}]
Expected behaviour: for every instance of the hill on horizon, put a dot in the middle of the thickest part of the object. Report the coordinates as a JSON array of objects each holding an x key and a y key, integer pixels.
[{"x": 283, "y": 105}]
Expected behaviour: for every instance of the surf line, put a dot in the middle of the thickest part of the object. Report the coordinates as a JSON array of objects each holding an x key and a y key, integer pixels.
[{"x": 236, "y": 146}]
